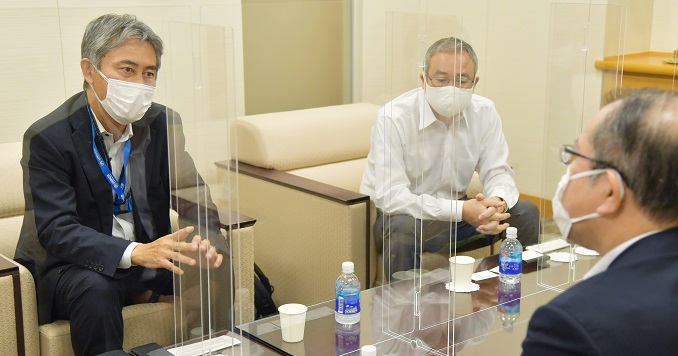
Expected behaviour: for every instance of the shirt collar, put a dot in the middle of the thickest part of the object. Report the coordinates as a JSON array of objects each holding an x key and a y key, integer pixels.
[
  {"x": 125, "y": 135},
  {"x": 605, "y": 261}
]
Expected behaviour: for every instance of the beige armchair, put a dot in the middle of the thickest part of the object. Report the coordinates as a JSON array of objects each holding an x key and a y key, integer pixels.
[
  {"x": 298, "y": 175},
  {"x": 144, "y": 323}
]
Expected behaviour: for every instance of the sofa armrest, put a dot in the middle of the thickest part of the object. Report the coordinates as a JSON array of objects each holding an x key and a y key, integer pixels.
[
  {"x": 18, "y": 301},
  {"x": 228, "y": 219},
  {"x": 305, "y": 229},
  {"x": 309, "y": 186}
]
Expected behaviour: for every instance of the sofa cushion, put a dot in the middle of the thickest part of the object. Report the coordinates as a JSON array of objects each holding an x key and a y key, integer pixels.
[
  {"x": 55, "y": 338},
  {"x": 11, "y": 193},
  {"x": 10, "y": 228},
  {"x": 304, "y": 138}
]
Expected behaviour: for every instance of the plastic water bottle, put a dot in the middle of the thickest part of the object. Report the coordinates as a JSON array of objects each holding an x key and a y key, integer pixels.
[
  {"x": 508, "y": 303},
  {"x": 347, "y": 303},
  {"x": 511, "y": 257}
]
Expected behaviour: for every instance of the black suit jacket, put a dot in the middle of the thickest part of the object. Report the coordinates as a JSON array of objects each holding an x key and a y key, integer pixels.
[
  {"x": 630, "y": 309},
  {"x": 69, "y": 204}
]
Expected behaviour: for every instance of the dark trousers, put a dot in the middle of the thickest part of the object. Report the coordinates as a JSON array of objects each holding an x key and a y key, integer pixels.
[
  {"x": 400, "y": 237},
  {"x": 93, "y": 303}
]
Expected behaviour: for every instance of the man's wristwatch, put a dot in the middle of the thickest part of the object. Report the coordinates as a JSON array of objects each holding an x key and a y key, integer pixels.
[{"x": 505, "y": 205}]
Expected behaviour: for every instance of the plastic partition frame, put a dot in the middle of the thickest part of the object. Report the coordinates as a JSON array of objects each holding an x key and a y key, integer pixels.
[
  {"x": 579, "y": 35},
  {"x": 413, "y": 308},
  {"x": 199, "y": 86}
]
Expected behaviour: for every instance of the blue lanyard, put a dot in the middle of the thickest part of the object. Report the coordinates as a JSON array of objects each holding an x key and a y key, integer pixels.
[{"x": 118, "y": 187}]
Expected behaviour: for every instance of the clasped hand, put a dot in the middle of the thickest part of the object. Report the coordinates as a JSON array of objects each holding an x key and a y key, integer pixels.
[
  {"x": 162, "y": 252},
  {"x": 485, "y": 214}
]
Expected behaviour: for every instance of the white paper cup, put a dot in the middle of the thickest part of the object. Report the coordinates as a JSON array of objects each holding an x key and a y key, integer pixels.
[
  {"x": 461, "y": 269},
  {"x": 292, "y": 321}
]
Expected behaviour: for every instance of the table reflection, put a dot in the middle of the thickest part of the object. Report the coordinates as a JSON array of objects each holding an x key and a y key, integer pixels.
[
  {"x": 408, "y": 320},
  {"x": 508, "y": 303}
]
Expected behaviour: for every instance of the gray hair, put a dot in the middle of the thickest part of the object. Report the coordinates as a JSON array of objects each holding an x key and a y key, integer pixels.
[
  {"x": 452, "y": 45},
  {"x": 640, "y": 137},
  {"x": 109, "y": 32}
]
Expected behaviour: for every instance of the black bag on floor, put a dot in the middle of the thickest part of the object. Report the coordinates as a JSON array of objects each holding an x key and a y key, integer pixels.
[{"x": 263, "y": 292}]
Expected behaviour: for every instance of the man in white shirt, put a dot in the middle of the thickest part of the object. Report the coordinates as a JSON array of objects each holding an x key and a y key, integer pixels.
[
  {"x": 619, "y": 196},
  {"x": 426, "y": 144}
]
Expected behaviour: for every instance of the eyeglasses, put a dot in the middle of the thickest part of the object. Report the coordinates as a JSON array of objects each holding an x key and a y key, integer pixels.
[
  {"x": 567, "y": 155},
  {"x": 461, "y": 82}
]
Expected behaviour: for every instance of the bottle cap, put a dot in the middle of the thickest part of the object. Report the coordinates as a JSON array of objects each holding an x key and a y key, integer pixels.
[
  {"x": 511, "y": 232},
  {"x": 347, "y": 267},
  {"x": 368, "y": 350}
]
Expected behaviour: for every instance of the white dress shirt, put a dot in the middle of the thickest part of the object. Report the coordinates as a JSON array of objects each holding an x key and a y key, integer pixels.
[
  {"x": 419, "y": 166},
  {"x": 123, "y": 224}
]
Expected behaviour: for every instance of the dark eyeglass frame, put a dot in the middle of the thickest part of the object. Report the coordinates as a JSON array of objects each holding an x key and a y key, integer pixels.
[{"x": 567, "y": 154}]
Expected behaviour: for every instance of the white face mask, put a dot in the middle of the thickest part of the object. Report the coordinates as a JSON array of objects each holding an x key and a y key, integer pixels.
[
  {"x": 126, "y": 102},
  {"x": 449, "y": 100},
  {"x": 560, "y": 214}
]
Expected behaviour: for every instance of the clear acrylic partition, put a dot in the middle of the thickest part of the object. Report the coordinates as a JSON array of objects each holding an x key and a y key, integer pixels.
[
  {"x": 414, "y": 311},
  {"x": 200, "y": 88},
  {"x": 580, "y": 34}
]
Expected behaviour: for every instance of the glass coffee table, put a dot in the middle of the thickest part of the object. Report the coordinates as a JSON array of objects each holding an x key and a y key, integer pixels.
[{"x": 420, "y": 316}]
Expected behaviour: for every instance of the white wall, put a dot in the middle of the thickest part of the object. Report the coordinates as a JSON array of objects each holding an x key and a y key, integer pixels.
[
  {"x": 532, "y": 64},
  {"x": 665, "y": 26},
  {"x": 41, "y": 52},
  {"x": 295, "y": 54},
  {"x": 370, "y": 50}
]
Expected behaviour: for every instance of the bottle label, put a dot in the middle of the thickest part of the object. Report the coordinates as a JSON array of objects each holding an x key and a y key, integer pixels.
[
  {"x": 347, "y": 301},
  {"x": 510, "y": 263}
]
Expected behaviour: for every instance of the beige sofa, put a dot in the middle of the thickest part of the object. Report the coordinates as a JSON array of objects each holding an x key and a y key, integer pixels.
[
  {"x": 299, "y": 176},
  {"x": 144, "y": 323}
]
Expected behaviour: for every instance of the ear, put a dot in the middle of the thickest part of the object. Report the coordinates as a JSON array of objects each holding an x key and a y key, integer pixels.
[
  {"x": 475, "y": 83},
  {"x": 423, "y": 83},
  {"x": 615, "y": 195},
  {"x": 87, "y": 70}
]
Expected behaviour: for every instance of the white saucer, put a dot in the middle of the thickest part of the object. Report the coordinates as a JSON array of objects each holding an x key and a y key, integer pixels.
[
  {"x": 562, "y": 257},
  {"x": 585, "y": 251},
  {"x": 465, "y": 289}
]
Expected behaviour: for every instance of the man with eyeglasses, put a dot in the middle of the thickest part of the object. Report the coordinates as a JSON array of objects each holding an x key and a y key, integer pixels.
[
  {"x": 425, "y": 146},
  {"x": 619, "y": 196}
]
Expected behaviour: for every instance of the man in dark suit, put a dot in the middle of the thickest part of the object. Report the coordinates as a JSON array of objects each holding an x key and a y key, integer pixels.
[
  {"x": 97, "y": 179},
  {"x": 620, "y": 198}
]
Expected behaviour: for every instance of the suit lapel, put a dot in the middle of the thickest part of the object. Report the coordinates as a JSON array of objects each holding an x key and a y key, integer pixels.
[
  {"x": 138, "y": 174},
  {"x": 101, "y": 190}
]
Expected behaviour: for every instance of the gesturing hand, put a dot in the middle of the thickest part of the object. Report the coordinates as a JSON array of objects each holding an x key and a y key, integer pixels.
[
  {"x": 162, "y": 252},
  {"x": 206, "y": 254}
]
